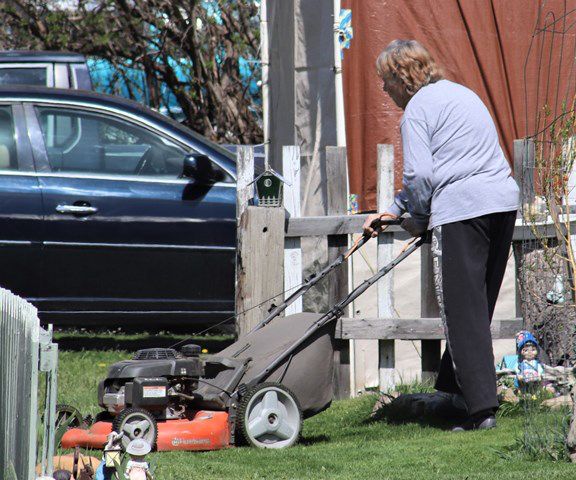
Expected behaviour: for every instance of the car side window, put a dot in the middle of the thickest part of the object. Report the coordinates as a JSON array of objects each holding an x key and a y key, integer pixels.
[
  {"x": 23, "y": 76},
  {"x": 84, "y": 142},
  {"x": 8, "y": 160}
]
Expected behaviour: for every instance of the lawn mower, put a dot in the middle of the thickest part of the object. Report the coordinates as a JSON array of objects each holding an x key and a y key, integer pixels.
[{"x": 256, "y": 391}]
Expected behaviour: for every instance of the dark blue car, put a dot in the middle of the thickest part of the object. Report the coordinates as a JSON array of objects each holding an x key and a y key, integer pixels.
[{"x": 112, "y": 214}]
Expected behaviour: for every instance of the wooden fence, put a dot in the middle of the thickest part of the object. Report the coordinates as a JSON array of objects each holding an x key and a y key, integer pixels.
[{"x": 270, "y": 261}]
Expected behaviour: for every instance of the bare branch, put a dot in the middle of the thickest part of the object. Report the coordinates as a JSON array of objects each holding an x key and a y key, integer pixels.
[{"x": 193, "y": 52}]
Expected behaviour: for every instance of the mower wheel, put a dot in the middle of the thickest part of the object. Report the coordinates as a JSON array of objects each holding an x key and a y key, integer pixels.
[
  {"x": 269, "y": 416},
  {"x": 136, "y": 423},
  {"x": 68, "y": 416},
  {"x": 103, "y": 416}
]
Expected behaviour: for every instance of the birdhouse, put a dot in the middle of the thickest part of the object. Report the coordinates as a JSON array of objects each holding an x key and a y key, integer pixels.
[{"x": 269, "y": 186}]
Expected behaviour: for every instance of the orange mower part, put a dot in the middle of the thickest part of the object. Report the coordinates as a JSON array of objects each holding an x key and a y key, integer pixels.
[{"x": 207, "y": 430}]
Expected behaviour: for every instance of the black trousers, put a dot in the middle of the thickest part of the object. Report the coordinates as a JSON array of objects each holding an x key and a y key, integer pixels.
[{"x": 469, "y": 260}]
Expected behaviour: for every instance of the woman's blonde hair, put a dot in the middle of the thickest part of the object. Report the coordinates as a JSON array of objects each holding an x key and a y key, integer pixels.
[{"x": 409, "y": 62}]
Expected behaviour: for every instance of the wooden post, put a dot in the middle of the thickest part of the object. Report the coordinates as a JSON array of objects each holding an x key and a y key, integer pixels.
[
  {"x": 260, "y": 265},
  {"x": 518, "y": 250},
  {"x": 431, "y": 349},
  {"x": 385, "y": 188},
  {"x": 524, "y": 176},
  {"x": 244, "y": 195},
  {"x": 260, "y": 250},
  {"x": 337, "y": 205},
  {"x": 524, "y": 169},
  {"x": 292, "y": 248},
  {"x": 244, "y": 182},
  {"x": 338, "y": 279}
]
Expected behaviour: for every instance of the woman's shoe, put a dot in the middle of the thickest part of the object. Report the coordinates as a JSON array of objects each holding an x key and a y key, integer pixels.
[{"x": 484, "y": 423}]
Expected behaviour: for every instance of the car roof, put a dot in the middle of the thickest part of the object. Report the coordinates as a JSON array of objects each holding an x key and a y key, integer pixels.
[
  {"x": 34, "y": 92},
  {"x": 19, "y": 56}
]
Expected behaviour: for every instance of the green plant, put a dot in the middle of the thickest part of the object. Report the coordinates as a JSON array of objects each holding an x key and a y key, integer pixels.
[
  {"x": 339, "y": 443},
  {"x": 415, "y": 386},
  {"x": 544, "y": 438}
]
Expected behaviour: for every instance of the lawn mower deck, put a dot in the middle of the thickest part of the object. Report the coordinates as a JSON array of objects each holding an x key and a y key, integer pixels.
[
  {"x": 206, "y": 430},
  {"x": 256, "y": 391}
]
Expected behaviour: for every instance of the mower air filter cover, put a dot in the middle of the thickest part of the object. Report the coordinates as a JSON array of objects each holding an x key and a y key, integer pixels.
[
  {"x": 147, "y": 392},
  {"x": 155, "y": 354}
]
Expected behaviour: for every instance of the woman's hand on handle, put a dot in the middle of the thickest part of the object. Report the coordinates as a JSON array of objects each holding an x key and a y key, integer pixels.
[{"x": 373, "y": 224}]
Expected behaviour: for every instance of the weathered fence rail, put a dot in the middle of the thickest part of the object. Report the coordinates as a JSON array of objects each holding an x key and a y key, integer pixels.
[
  {"x": 412, "y": 328},
  {"x": 351, "y": 224}
]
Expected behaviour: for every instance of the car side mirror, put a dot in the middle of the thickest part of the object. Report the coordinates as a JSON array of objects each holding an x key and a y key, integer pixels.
[{"x": 200, "y": 168}]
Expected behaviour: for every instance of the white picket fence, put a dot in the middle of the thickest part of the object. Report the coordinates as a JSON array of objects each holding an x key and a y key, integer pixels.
[{"x": 26, "y": 349}]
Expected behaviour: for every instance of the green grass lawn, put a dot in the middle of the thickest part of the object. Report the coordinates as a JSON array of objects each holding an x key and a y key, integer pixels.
[{"x": 339, "y": 443}]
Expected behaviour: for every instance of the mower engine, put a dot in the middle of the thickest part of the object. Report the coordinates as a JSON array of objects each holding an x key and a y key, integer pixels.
[{"x": 159, "y": 380}]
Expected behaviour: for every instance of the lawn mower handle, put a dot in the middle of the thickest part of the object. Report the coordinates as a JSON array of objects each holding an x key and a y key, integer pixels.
[
  {"x": 389, "y": 221},
  {"x": 315, "y": 278},
  {"x": 338, "y": 310}
]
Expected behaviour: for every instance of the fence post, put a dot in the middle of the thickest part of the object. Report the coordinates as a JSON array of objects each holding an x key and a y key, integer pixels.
[
  {"x": 260, "y": 251},
  {"x": 431, "y": 349},
  {"x": 524, "y": 168},
  {"x": 49, "y": 363},
  {"x": 385, "y": 189},
  {"x": 245, "y": 174},
  {"x": 338, "y": 279},
  {"x": 292, "y": 248},
  {"x": 524, "y": 176},
  {"x": 244, "y": 193}
]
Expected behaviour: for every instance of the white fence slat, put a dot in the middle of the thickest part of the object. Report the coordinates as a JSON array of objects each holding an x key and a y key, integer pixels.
[
  {"x": 19, "y": 341},
  {"x": 385, "y": 186},
  {"x": 245, "y": 178},
  {"x": 292, "y": 249}
]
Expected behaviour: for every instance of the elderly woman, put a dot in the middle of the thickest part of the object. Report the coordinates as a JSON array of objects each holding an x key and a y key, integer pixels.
[{"x": 457, "y": 183}]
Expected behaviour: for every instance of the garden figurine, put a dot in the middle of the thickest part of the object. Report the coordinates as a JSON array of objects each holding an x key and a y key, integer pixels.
[
  {"x": 529, "y": 369},
  {"x": 111, "y": 458},
  {"x": 137, "y": 467}
]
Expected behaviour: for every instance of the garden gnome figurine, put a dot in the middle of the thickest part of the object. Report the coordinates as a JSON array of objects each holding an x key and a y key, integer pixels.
[
  {"x": 529, "y": 369},
  {"x": 137, "y": 467},
  {"x": 111, "y": 458}
]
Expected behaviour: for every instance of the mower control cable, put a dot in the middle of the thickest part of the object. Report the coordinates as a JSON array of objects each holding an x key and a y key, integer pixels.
[
  {"x": 303, "y": 287},
  {"x": 223, "y": 390},
  {"x": 231, "y": 317},
  {"x": 314, "y": 279},
  {"x": 337, "y": 311}
]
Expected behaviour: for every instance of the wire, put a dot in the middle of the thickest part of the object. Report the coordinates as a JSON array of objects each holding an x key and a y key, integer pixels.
[
  {"x": 363, "y": 255},
  {"x": 347, "y": 255},
  {"x": 232, "y": 317},
  {"x": 223, "y": 390}
]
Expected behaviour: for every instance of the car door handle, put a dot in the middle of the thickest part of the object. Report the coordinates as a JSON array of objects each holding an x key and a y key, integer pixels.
[{"x": 76, "y": 209}]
